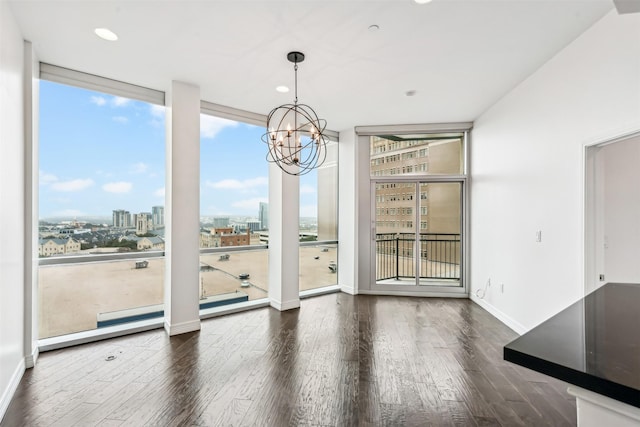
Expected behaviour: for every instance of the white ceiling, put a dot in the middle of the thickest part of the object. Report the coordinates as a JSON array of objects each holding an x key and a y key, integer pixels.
[{"x": 459, "y": 56}]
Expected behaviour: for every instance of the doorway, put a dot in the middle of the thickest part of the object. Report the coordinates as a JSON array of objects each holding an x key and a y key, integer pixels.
[
  {"x": 418, "y": 235},
  {"x": 612, "y": 212},
  {"x": 417, "y": 204}
]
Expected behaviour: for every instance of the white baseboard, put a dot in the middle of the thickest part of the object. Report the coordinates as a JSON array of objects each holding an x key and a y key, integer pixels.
[
  {"x": 223, "y": 310},
  {"x": 595, "y": 409},
  {"x": 30, "y": 360},
  {"x": 310, "y": 293},
  {"x": 181, "y": 328},
  {"x": 8, "y": 392},
  {"x": 93, "y": 335},
  {"x": 286, "y": 305},
  {"x": 507, "y": 320},
  {"x": 351, "y": 290},
  {"x": 425, "y": 294}
]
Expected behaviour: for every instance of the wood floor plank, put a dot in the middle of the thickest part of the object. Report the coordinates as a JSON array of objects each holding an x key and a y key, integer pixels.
[
  {"x": 100, "y": 414},
  {"x": 73, "y": 416},
  {"x": 339, "y": 360}
]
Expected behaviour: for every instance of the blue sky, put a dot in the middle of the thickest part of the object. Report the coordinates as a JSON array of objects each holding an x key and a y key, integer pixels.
[{"x": 100, "y": 152}]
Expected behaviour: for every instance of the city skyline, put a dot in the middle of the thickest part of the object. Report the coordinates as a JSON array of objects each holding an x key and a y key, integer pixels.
[{"x": 100, "y": 152}]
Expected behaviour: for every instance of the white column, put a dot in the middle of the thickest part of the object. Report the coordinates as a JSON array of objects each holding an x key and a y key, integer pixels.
[
  {"x": 284, "y": 218},
  {"x": 349, "y": 201},
  {"x": 182, "y": 201}
]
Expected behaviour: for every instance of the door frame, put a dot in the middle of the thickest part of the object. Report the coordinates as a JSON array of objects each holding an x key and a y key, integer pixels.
[
  {"x": 594, "y": 240},
  {"x": 366, "y": 219},
  {"x": 423, "y": 290}
]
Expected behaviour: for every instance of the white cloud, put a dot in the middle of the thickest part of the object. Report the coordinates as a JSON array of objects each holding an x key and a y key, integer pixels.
[
  {"x": 117, "y": 187},
  {"x": 307, "y": 189},
  {"x": 73, "y": 185},
  {"x": 210, "y": 125},
  {"x": 138, "y": 168},
  {"x": 158, "y": 113},
  {"x": 159, "y": 192},
  {"x": 118, "y": 101},
  {"x": 120, "y": 119},
  {"x": 250, "y": 204},
  {"x": 98, "y": 100},
  {"x": 115, "y": 101},
  {"x": 157, "y": 110},
  {"x": 46, "y": 178},
  {"x": 234, "y": 184}
]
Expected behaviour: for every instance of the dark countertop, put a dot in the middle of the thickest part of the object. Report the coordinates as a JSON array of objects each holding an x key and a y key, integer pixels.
[{"x": 593, "y": 344}]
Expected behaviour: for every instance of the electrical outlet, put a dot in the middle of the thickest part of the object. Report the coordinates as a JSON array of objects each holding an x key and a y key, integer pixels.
[
  {"x": 539, "y": 236},
  {"x": 502, "y": 288}
]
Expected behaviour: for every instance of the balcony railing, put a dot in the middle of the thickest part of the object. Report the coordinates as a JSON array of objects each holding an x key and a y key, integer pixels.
[{"x": 439, "y": 256}]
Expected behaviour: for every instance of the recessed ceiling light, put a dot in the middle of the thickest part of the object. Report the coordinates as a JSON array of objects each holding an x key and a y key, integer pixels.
[
  {"x": 106, "y": 34},
  {"x": 373, "y": 28},
  {"x": 422, "y": 1},
  {"x": 282, "y": 89},
  {"x": 410, "y": 92}
]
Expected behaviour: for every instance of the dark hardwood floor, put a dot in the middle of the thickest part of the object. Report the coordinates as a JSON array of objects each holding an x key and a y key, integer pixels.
[{"x": 338, "y": 361}]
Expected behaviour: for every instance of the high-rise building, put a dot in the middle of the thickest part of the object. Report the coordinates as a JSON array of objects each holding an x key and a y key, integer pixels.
[
  {"x": 121, "y": 218},
  {"x": 263, "y": 216},
  {"x": 253, "y": 226},
  {"x": 157, "y": 213},
  {"x": 144, "y": 223},
  {"x": 220, "y": 222},
  {"x": 407, "y": 208},
  {"x": 327, "y": 211},
  {"x": 439, "y": 208}
]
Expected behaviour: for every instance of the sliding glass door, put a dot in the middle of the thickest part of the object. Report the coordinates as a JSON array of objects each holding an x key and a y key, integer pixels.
[
  {"x": 440, "y": 233},
  {"x": 418, "y": 233}
]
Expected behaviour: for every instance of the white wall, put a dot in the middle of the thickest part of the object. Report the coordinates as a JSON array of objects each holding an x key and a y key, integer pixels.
[
  {"x": 527, "y": 171},
  {"x": 12, "y": 219},
  {"x": 622, "y": 210}
]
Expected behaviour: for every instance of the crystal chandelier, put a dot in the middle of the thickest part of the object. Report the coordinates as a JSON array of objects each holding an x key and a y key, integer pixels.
[{"x": 295, "y": 134}]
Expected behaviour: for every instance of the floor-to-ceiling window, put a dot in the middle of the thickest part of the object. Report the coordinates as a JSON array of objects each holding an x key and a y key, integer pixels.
[
  {"x": 234, "y": 211},
  {"x": 319, "y": 224},
  {"x": 101, "y": 199},
  {"x": 101, "y": 202}
]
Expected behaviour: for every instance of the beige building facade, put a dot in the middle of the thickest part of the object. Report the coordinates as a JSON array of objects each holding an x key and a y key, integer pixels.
[
  {"x": 414, "y": 203},
  {"x": 439, "y": 203},
  {"x": 56, "y": 246},
  {"x": 224, "y": 236}
]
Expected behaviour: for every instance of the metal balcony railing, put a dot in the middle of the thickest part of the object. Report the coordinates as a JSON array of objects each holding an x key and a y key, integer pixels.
[{"x": 440, "y": 255}]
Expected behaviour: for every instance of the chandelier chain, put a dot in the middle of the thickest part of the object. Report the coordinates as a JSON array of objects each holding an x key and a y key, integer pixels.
[{"x": 295, "y": 85}]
